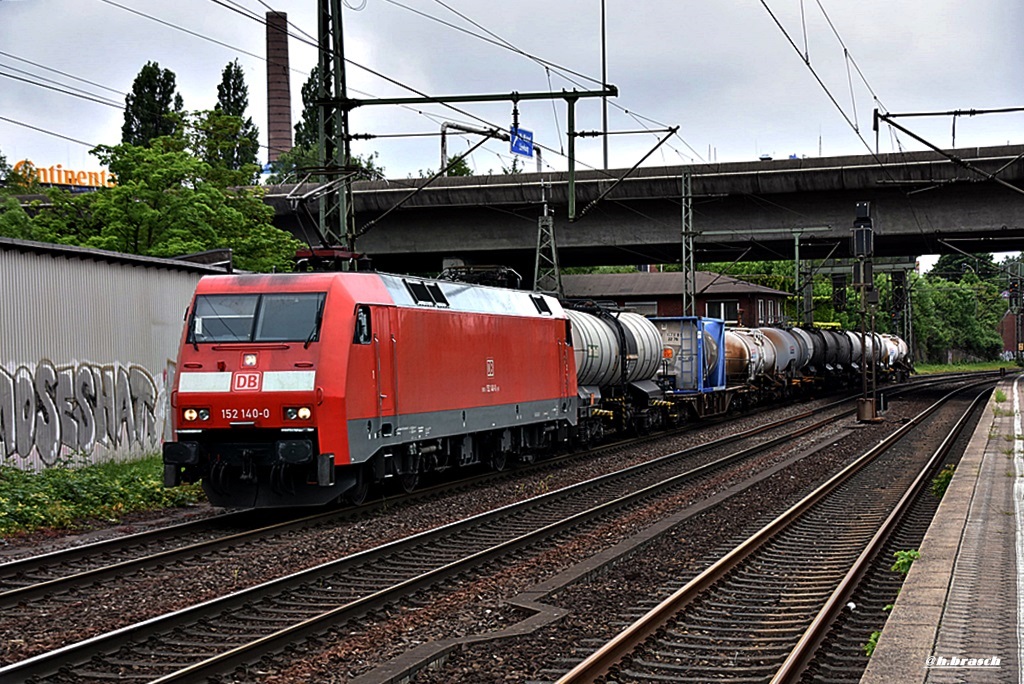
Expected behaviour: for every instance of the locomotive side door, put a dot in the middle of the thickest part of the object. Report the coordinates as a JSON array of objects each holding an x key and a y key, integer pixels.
[{"x": 385, "y": 357}]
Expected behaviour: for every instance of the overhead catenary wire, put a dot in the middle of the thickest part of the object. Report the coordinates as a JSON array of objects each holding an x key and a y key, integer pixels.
[
  {"x": 37, "y": 80},
  {"x": 62, "y": 73},
  {"x": 47, "y": 132},
  {"x": 65, "y": 91},
  {"x": 478, "y": 119},
  {"x": 234, "y": 7}
]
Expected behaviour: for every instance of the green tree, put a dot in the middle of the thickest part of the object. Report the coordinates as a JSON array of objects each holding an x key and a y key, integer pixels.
[
  {"x": 21, "y": 182},
  {"x": 513, "y": 169},
  {"x": 306, "y": 128},
  {"x": 956, "y": 319},
  {"x": 153, "y": 108},
  {"x": 954, "y": 267},
  {"x": 458, "y": 167},
  {"x": 168, "y": 201},
  {"x": 303, "y": 161},
  {"x": 233, "y": 100},
  {"x": 219, "y": 139},
  {"x": 14, "y": 222},
  {"x": 300, "y": 165}
]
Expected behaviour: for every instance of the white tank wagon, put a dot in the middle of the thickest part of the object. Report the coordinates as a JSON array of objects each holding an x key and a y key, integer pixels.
[
  {"x": 790, "y": 351},
  {"x": 618, "y": 354},
  {"x": 605, "y": 345}
]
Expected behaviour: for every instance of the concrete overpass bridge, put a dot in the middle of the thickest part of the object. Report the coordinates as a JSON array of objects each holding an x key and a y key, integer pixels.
[{"x": 922, "y": 203}]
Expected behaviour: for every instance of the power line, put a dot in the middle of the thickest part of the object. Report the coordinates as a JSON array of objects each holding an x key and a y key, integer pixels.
[
  {"x": 510, "y": 46},
  {"x": 41, "y": 80},
  {"x": 64, "y": 91},
  {"x": 47, "y": 132},
  {"x": 62, "y": 73}
]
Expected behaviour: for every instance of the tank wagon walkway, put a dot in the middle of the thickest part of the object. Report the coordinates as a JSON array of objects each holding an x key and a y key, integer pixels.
[{"x": 959, "y": 614}]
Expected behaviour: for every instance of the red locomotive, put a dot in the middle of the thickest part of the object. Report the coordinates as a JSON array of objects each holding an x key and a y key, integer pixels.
[{"x": 300, "y": 389}]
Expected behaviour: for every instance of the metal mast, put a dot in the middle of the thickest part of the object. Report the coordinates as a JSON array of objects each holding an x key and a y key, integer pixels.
[
  {"x": 333, "y": 129},
  {"x": 547, "y": 277},
  {"x": 689, "y": 272}
]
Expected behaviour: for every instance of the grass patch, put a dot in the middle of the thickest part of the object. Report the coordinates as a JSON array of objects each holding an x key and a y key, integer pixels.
[
  {"x": 1000, "y": 395},
  {"x": 928, "y": 368},
  {"x": 73, "y": 498}
]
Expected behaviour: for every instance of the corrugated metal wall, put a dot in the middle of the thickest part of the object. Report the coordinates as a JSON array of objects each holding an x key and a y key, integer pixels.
[{"x": 88, "y": 343}]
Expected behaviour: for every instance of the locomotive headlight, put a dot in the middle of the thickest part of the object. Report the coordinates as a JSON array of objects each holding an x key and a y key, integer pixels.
[
  {"x": 297, "y": 413},
  {"x": 204, "y": 414},
  {"x": 190, "y": 414}
]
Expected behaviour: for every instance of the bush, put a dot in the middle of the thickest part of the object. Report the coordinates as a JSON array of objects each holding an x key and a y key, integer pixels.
[
  {"x": 69, "y": 498},
  {"x": 942, "y": 480}
]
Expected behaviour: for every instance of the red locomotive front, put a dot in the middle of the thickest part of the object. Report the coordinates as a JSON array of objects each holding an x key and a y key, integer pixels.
[{"x": 301, "y": 389}]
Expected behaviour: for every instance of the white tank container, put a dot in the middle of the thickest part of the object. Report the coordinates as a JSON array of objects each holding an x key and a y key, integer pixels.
[{"x": 599, "y": 345}]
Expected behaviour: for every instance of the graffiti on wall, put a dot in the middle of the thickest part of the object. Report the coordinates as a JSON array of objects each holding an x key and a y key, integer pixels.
[{"x": 52, "y": 410}]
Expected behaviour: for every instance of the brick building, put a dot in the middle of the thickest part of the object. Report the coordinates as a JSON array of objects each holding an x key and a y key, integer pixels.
[{"x": 660, "y": 294}]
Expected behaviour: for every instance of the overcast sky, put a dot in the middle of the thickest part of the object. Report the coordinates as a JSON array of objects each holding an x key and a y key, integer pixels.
[{"x": 721, "y": 70}]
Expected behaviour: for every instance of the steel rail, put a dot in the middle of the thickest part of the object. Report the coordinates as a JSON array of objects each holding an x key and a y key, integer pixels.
[
  {"x": 805, "y": 648},
  {"x": 602, "y": 661},
  {"x": 10, "y": 572},
  {"x": 276, "y": 641}
]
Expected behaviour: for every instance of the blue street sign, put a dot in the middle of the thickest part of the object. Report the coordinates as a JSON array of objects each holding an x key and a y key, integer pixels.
[{"x": 521, "y": 141}]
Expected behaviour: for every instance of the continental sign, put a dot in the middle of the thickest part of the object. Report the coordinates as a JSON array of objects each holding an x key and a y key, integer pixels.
[{"x": 58, "y": 175}]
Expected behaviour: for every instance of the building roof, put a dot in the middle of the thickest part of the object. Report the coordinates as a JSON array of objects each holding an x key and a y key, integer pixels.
[
  {"x": 630, "y": 285},
  {"x": 74, "y": 252}
]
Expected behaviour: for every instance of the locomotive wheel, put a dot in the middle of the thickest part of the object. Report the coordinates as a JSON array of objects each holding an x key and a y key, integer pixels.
[
  {"x": 360, "y": 492},
  {"x": 499, "y": 461},
  {"x": 409, "y": 482}
]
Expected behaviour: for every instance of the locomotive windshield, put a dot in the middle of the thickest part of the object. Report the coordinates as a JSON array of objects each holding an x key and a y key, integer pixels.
[{"x": 284, "y": 317}]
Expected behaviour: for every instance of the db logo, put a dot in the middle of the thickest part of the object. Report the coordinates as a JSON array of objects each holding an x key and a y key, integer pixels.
[{"x": 246, "y": 382}]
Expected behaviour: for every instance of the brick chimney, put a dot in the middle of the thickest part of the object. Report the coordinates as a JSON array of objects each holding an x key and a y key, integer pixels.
[{"x": 279, "y": 100}]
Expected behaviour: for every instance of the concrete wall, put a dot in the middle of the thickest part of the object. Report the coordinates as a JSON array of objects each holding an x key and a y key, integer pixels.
[{"x": 88, "y": 342}]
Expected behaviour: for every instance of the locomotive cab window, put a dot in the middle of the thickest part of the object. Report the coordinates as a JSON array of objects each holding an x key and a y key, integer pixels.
[
  {"x": 276, "y": 317},
  {"x": 364, "y": 326}
]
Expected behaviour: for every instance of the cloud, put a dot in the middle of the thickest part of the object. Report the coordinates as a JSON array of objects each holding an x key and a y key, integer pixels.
[{"x": 723, "y": 71}]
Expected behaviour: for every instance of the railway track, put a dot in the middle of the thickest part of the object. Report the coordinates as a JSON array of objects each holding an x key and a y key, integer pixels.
[
  {"x": 761, "y": 612},
  {"x": 69, "y": 569},
  {"x": 224, "y": 632}
]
